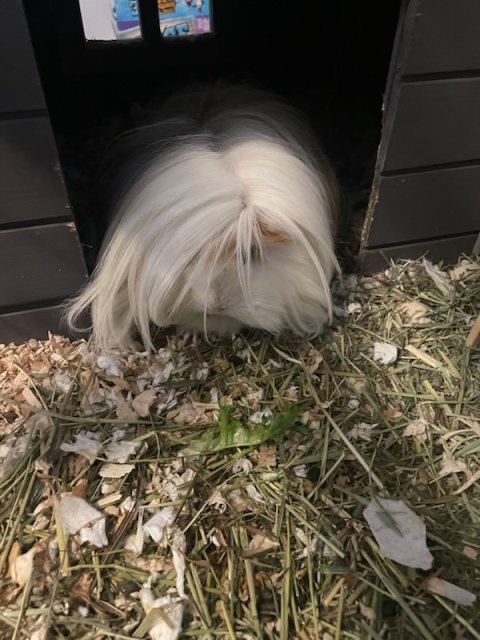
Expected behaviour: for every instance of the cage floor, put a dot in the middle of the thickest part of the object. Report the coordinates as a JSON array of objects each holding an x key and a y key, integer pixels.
[{"x": 220, "y": 489}]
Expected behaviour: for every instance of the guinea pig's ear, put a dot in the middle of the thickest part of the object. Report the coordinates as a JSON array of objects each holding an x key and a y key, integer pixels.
[{"x": 271, "y": 236}]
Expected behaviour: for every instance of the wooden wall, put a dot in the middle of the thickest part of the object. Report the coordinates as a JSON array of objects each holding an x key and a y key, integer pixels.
[
  {"x": 426, "y": 192},
  {"x": 41, "y": 261}
]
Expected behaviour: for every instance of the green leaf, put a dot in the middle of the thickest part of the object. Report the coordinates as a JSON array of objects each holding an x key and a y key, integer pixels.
[{"x": 229, "y": 433}]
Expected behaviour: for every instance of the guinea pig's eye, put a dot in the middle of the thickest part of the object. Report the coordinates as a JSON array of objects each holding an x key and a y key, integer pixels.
[{"x": 254, "y": 254}]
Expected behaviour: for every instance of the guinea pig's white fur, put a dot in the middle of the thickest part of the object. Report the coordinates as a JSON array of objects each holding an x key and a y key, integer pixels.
[{"x": 226, "y": 221}]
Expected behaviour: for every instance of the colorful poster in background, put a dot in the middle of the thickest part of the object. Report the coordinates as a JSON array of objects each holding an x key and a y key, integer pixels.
[
  {"x": 178, "y": 18},
  {"x": 184, "y": 17},
  {"x": 126, "y": 21}
]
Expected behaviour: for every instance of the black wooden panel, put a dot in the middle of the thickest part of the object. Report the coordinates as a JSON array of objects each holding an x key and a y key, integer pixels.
[
  {"x": 150, "y": 25},
  {"x": 436, "y": 122},
  {"x": 31, "y": 186},
  {"x": 445, "y": 36},
  {"x": 20, "y": 326},
  {"x": 446, "y": 249},
  {"x": 20, "y": 87},
  {"x": 426, "y": 205},
  {"x": 39, "y": 264}
]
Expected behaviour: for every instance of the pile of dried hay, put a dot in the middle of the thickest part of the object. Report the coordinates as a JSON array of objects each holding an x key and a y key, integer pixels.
[{"x": 220, "y": 490}]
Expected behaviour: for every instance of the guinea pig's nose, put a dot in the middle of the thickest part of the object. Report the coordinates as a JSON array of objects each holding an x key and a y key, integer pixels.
[
  {"x": 211, "y": 305},
  {"x": 214, "y": 304}
]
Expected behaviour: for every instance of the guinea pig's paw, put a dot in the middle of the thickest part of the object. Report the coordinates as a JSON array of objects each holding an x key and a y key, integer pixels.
[{"x": 186, "y": 338}]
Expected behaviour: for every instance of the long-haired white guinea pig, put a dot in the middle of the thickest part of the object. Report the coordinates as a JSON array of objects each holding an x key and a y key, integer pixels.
[{"x": 226, "y": 221}]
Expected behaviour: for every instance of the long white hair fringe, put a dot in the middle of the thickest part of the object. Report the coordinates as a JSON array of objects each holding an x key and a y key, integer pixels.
[{"x": 226, "y": 219}]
